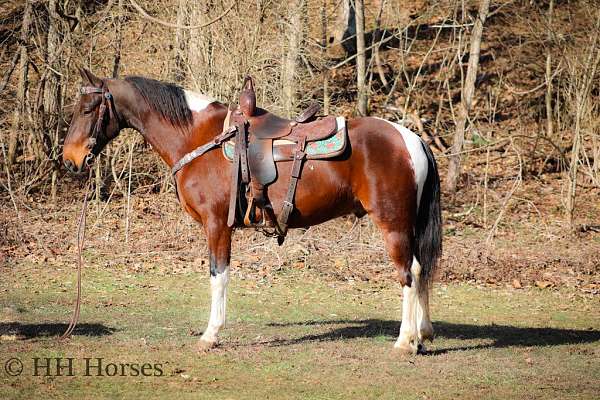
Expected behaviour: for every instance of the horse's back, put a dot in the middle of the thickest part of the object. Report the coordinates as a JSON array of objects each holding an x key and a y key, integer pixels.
[{"x": 375, "y": 171}]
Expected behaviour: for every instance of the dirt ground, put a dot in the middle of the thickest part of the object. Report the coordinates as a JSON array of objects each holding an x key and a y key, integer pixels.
[
  {"x": 516, "y": 307},
  {"x": 525, "y": 242}
]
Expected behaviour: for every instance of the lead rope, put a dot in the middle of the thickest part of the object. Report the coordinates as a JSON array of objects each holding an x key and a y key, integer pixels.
[{"x": 80, "y": 241}]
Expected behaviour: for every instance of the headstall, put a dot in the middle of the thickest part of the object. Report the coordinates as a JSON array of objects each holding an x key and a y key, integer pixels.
[{"x": 106, "y": 103}]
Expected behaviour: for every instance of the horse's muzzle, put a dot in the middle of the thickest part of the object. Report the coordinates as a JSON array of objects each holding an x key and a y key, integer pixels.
[
  {"x": 70, "y": 166},
  {"x": 87, "y": 163}
]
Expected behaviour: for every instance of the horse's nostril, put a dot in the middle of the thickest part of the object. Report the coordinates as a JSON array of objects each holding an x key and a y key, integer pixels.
[
  {"x": 69, "y": 165},
  {"x": 89, "y": 159}
]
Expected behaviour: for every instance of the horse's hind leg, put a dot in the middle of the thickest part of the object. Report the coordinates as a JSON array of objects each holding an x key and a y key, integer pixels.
[
  {"x": 416, "y": 325},
  {"x": 423, "y": 317},
  {"x": 399, "y": 243}
]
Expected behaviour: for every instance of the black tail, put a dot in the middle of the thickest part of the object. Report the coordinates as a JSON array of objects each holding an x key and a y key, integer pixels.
[{"x": 429, "y": 220}]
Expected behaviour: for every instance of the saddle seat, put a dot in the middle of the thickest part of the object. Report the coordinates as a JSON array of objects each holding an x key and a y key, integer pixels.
[{"x": 266, "y": 125}]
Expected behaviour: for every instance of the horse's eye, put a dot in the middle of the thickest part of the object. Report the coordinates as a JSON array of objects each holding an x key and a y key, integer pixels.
[{"x": 88, "y": 110}]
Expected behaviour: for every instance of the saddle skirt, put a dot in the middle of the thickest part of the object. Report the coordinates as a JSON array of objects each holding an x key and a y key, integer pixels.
[{"x": 283, "y": 150}]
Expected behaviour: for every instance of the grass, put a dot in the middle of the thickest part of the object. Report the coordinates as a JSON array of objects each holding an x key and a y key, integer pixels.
[{"x": 294, "y": 336}]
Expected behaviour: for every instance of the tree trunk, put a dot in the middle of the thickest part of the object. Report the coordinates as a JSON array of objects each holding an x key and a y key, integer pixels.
[
  {"x": 180, "y": 44},
  {"x": 118, "y": 40},
  {"x": 52, "y": 98},
  {"x": 375, "y": 42},
  {"x": 294, "y": 41},
  {"x": 361, "y": 59},
  {"x": 200, "y": 44},
  {"x": 549, "y": 124},
  {"x": 468, "y": 91},
  {"x": 345, "y": 33},
  {"x": 325, "y": 40},
  {"x": 19, "y": 112}
]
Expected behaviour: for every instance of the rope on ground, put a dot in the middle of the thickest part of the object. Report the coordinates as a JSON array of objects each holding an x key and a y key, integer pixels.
[{"x": 80, "y": 241}]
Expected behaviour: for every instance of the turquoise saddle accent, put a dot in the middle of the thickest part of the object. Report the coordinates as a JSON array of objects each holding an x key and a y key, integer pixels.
[{"x": 283, "y": 149}]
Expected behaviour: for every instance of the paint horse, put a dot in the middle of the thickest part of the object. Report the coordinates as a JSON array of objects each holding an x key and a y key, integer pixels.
[{"x": 385, "y": 171}]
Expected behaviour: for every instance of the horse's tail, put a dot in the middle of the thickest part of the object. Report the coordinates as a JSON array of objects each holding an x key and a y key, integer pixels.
[{"x": 429, "y": 221}]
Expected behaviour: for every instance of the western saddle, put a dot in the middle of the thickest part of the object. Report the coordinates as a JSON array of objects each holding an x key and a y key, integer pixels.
[
  {"x": 255, "y": 140},
  {"x": 254, "y": 158}
]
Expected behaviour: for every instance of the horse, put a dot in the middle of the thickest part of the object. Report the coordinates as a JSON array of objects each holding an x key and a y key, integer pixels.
[{"x": 386, "y": 171}]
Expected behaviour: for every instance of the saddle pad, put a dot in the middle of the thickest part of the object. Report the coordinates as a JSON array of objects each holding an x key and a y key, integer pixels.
[{"x": 283, "y": 149}]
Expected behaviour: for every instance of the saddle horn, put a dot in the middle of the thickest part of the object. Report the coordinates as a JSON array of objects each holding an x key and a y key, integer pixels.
[{"x": 248, "y": 98}]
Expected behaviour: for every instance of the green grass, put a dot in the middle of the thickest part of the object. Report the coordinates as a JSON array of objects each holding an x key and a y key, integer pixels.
[{"x": 295, "y": 336}]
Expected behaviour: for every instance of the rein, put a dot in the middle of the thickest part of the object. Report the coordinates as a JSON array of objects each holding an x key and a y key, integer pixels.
[
  {"x": 106, "y": 103},
  {"x": 80, "y": 241},
  {"x": 199, "y": 151}
]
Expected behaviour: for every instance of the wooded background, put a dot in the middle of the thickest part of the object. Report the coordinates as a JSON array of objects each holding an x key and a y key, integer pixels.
[{"x": 505, "y": 91}]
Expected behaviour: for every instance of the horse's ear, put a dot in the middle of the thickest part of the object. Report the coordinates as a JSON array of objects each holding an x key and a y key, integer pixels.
[{"x": 90, "y": 78}]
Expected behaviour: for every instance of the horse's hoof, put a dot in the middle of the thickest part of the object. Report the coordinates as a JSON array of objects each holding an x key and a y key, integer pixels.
[
  {"x": 204, "y": 345},
  {"x": 405, "y": 349},
  {"x": 427, "y": 333}
]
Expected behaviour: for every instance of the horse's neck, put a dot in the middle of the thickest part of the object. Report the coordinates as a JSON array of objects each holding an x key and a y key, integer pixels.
[{"x": 170, "y": 142}]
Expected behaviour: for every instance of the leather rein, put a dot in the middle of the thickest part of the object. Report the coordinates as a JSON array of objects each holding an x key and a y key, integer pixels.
[
  {"x": 201, "y": 150},
  {"x": 106, "y": 103}
]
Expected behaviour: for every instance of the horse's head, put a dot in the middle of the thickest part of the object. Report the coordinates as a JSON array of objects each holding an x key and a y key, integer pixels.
[{"x": 93, "y": 125}]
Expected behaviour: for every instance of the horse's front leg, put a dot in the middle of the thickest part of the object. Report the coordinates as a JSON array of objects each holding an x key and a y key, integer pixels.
[{"x": 219, "y": 247}]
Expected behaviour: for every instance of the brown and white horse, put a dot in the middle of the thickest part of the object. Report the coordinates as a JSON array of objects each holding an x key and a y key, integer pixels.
[{"x": 386, "y": 171}]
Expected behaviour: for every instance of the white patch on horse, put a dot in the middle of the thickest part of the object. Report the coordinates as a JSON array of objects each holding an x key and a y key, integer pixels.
[
  {"x": 218, "y": 288},
  {"x": 408, "y": 338},
  {"x": 423, "y": 321},
  {"x": 415, "y": 313},
  {"x": 420, "y": 165},
  {"x": 197, "y": 101}
]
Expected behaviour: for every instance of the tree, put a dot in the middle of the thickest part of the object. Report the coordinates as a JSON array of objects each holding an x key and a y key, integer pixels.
[
  {"x": 468, "y": 91},
  {"x": 200, "y": 44},
  {"x": 52, "y": 101},
  {"x": 180, "y": 43},
  {"x": 19, "y": 112},
  {"x": 361, "y": 59},
  {"x": 345, "y": 28},
  {"x": 294, "y": 42}
]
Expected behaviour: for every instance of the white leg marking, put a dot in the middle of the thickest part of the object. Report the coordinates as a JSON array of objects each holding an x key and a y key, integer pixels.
[
  {"x": 407, "y": 340},
  {"x": 425, "y": 328},
  {"x": 416, "y": 324},
  {"x": 218, "y": 288},
  {"x": 197, "y": 101}
]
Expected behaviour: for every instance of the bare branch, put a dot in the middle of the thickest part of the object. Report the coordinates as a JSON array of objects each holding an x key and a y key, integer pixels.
[{"x": 177, "y": 26}]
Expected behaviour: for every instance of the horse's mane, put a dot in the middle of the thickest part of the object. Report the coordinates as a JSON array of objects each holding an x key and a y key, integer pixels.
[{"x": 165, "y": 98}]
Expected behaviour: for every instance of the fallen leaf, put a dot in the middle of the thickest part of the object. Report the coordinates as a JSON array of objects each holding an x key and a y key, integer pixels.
[
  {"x": 516, "y": 284},
  {"x": 543, "y": 284}
]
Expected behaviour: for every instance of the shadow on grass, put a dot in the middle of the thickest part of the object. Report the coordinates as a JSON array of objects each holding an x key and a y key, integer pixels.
[
  {"x": 500, "y": 335},
  {"x": 33, "y": 331}
]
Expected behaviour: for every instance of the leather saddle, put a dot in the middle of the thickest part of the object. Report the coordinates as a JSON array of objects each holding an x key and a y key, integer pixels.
[{"x": 254, "y": 158}]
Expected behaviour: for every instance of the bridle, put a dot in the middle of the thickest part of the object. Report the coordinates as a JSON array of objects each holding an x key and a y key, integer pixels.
[{"x": 107, "y": 102}]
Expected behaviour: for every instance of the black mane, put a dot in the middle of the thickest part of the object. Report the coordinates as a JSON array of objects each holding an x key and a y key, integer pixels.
[{"x": 166, "y": 98}]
